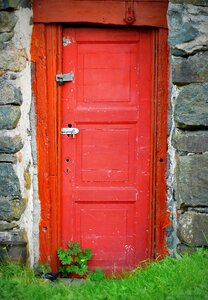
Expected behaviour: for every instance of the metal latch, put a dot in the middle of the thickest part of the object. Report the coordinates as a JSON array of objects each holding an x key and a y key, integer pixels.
[
  {"x": 70, "y": 131},
  {"x": 61, "y": 78}
]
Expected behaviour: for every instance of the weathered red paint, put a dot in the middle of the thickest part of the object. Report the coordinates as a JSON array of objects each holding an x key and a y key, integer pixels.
[
  {"x": 147, "y": 13},
  {"x": 161, "y": 112},
  {"x": 106, "y": 168},
  {"x": 47, "y": 54}
]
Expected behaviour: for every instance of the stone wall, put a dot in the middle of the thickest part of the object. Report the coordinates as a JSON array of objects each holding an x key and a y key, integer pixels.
[
  {"x": 17, "y": 169},
  {"x": 188, "y": 144}
]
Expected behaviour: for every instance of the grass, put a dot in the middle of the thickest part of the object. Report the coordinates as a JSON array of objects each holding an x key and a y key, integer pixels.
[{"x": 185, "y": 278}]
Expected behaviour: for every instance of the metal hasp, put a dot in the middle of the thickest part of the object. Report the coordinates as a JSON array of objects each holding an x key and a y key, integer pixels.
[
  {"x": 61, "y": 78},
  {"x": 69, "y": 131}
]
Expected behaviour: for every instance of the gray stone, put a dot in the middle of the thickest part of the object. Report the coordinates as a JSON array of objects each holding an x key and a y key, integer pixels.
[
  {"x": 6, "y": 4},
  {"x": 7, "y": 21},
  {"x": 191, "y": 108},
  {"x": 14, "y": 251},
  {"x": 9, "y": 116},
  {"x": 9, "y": 94},
  {"x": 16, "y": 235},
  {"x": 13, "y": 244},
  {"x": 183, "y": 249},
  {"x": 185, "y": 33},
  {"x": 191, "y": 69},
  {"x": 192, "y": 180},
  {"x": 8, "y": 226},
  {"x": 193, "y": 2},
  {"x": 188, "y": 27},
  {"x": 12, "y": 59},
  {"x": 8, "y": 158},
  {"x": 191, "y": 141},
  {"x": 9, "y": 182},
  {"x": 10, "y": 144},
  {"x": 11, "y": 208},
  {"x": 6, "y": 36},
  {"x": 193, "y": 228},
  {"x": 14, "y": 4}
]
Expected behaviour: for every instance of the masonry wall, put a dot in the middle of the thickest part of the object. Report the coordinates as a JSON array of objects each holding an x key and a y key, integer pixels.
[
  {"x": 18, "y": 220},
  {"x": 187, "y": 174},
  {"x": 188, "y": 141}
]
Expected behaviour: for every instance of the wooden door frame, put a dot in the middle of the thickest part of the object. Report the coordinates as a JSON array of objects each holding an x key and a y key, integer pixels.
[{"x": 46, "y": 52}]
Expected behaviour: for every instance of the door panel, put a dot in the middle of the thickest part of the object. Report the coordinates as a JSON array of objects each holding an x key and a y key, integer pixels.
[{"x": 106, "y": 168}]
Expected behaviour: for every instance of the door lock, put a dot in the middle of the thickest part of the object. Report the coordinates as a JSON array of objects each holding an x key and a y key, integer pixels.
[
  {"x": 70, "y": 131},
  {"x": 61, "y": 78}
]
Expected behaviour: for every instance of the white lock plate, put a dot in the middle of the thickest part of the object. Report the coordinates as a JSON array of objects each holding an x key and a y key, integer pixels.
[{"x": 69, "y": 131}]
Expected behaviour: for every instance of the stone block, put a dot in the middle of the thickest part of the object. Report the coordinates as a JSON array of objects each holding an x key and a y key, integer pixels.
[
  {"x": 6, "y": 36},
  {"x": 193, "y": 228},
  {"x": 4, "y": 226},
  {"x": 191, "y": 141},
  {"x": 14, "y": 4},
  {"x": 7, "y": 4},
  {"x": 192, "y": 180},
  {"x": 192, "y": 2},
  {"x": 15, "y": 251},
  {"x": 9, "y": 182},
  {"x": 193, "y": 69},
  {"x": 11, "y": 208},
  {"x": 191, "y": 108},
  {"x": 13, "y": 245},
  {"x": 16, "y": 235},
  {"x": 9, "y": 116},
  {"x": 8, "y": 158},
  {"x": 9, "y": 94},
  {"x": 188, "y": 27},
  {"x": 10, "y": 144},
  {"x": 7, "y": 21},
  {"x": 12, "y": 59},
  {"x": 180, "y": 31},
  {"x": 185, "y": 249}
]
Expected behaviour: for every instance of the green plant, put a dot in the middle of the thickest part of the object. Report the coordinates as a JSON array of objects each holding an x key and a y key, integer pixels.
[
  {"x": 74, "y": 259},
  {"x": 97, "y": 275},
  {"x": 43, "y": 268}
]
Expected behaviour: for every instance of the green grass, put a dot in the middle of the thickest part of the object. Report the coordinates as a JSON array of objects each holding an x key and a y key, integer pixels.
[{"x": 185, "y": 278}]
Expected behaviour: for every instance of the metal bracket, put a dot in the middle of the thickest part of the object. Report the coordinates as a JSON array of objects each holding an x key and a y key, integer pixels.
[
  {"x": 130, "y": 12},
  {"x": 61, "y": 78},
  {"x": 69, "y": 131}
]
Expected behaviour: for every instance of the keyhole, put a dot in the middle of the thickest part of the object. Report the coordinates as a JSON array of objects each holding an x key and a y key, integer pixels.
[
  {"x": 70, "y": 126},
  {"x": 67, "y": 171}
]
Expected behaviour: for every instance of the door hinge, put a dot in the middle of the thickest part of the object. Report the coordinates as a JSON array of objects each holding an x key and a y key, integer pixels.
[{"x": 61, "y": 78}]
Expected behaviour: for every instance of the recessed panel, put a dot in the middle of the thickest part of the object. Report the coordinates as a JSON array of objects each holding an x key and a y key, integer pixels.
[
  {"x": 104, "y": 75},
  {"x": 108, "y": 231},
  {"x": 104, "y": 156},
  {"x": 97, "y": 83}
]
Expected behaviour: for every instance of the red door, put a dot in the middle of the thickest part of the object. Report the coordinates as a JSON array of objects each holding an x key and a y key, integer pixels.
[{"x": 106, "y": 167}]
